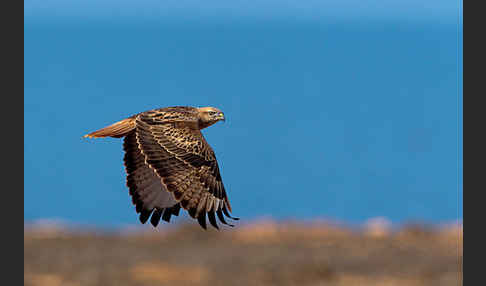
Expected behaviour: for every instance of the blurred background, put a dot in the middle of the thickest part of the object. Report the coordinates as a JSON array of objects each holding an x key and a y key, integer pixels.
[{"x": 341, "y": 152}]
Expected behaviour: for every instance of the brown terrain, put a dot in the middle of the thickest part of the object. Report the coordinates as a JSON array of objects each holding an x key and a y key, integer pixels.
[{"x": 261, "y": 253}]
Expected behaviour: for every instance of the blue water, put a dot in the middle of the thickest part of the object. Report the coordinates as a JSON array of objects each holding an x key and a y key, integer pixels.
[{"x": 345, "y": 121}]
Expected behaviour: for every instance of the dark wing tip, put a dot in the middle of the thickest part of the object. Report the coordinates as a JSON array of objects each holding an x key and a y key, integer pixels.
[
  {"x": 167, "y": 214},
  {"x": 226, "y": 213},
  {"x": 144, "y": 215},
  {"x": 176, "y": 209},
  {"x": 192, "y": 212},
  {"x": 212, "y": 219},
  {"x": 138, "y": 206},
  {"x": 221, "y": 217},
  {"x": 201, "y": 218},
  {"x": 154, "y": 220}
]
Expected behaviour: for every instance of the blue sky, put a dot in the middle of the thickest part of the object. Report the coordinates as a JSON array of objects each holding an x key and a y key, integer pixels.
[
  {"x": 438, "y": 11},
  {"x": 343, "y": 111}
]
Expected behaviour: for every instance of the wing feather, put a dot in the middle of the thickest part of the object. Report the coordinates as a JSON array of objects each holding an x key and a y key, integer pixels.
[
  {"x": 145, "y": 186},
  {"x": 154, "y": 220}
]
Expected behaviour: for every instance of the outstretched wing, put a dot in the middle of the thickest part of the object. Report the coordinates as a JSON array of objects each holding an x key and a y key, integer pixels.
[
  {"x": 145, "y": 187},
  {"x": 175, "y": 148}
]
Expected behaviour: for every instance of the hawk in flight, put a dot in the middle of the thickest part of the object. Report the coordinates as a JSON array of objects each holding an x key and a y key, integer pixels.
[{"x": 170, "y": 165}]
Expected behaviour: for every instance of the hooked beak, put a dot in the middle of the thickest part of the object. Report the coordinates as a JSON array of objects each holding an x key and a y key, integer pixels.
[{"x": 221, "y": 116}]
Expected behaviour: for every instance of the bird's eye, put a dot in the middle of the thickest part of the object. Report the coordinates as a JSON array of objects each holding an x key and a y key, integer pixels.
[{"x": 212, "y": 112}]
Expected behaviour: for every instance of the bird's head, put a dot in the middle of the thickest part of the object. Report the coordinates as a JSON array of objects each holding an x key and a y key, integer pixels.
[{"x": 209, "y": 115}]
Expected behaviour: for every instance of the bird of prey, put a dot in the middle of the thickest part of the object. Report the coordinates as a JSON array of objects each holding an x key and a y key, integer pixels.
[{"x": 170, "y": 165}]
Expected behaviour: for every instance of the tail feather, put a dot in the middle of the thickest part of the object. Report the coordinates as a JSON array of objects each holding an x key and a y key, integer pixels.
[{"x": 116, "y": 130}]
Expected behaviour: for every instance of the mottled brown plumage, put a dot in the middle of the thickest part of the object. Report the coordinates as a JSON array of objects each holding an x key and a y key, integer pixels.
[{"x": 170, "y": 165}]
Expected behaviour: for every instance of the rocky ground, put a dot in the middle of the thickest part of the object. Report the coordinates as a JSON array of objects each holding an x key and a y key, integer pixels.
[{"x": 264, "y": 253}]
